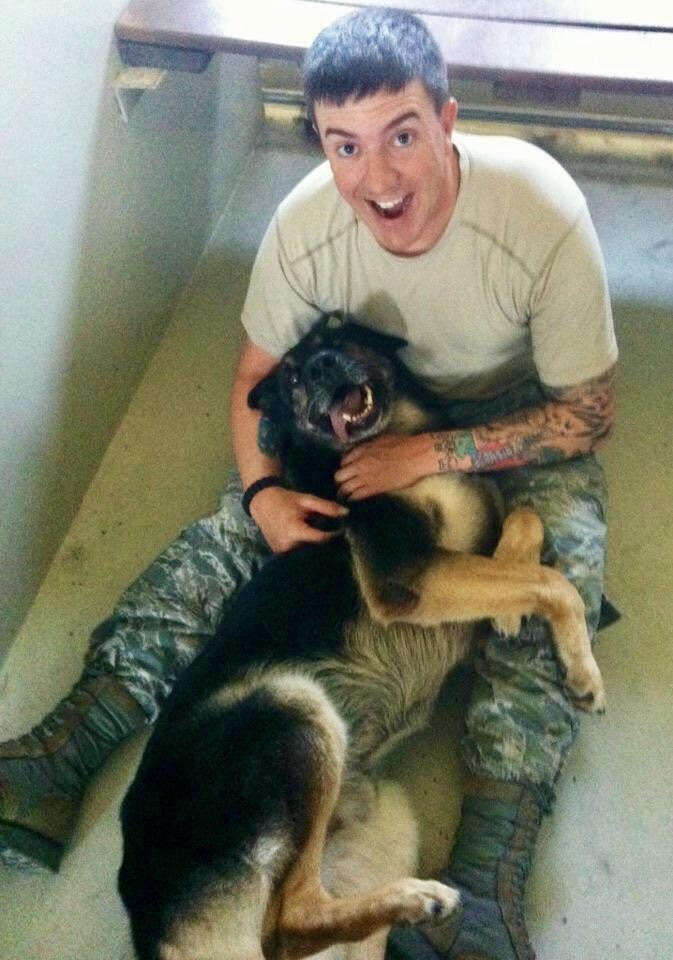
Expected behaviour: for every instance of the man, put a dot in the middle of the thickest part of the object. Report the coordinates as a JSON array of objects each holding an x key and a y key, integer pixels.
[{"x": 481, "y": 253}]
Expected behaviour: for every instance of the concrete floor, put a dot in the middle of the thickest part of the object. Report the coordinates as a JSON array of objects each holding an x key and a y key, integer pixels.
[{"x": 601, "y": 886}]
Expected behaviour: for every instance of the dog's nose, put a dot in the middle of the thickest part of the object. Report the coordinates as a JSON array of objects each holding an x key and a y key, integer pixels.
[{"x": 320, "y": 366}]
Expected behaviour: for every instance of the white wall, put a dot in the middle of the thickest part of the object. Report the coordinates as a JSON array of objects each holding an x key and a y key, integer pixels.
[{"x": 100, "y": 226}]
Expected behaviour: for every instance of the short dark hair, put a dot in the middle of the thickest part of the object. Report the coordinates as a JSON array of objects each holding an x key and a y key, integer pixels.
[{"x": 377, "y": 48}]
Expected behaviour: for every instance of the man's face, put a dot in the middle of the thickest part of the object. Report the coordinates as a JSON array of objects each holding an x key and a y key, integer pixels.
[{"x": 393, "y": 162}]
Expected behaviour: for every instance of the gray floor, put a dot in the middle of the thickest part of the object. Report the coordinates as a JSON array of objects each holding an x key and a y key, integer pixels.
[{"x": 601, "y": 886}]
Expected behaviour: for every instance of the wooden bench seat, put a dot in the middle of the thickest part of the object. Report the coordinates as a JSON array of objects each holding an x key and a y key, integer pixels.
[{"x": 546, "y": 51}]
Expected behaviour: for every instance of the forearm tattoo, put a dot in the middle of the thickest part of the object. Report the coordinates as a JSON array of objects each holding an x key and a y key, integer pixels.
[{"x": 573, "y": 421}]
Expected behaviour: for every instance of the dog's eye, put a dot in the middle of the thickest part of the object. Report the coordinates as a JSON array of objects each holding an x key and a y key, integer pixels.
[{"x": 293, "y": 378}]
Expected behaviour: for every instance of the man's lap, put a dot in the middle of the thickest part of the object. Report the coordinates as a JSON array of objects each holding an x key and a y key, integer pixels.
[{"x": 520, "y": 722}]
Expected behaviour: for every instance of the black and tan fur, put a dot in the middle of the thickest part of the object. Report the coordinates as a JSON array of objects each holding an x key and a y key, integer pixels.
[{"x": 251, "y": 827}]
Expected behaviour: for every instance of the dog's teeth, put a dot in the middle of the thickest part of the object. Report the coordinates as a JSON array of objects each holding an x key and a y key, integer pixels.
[{"x": 366, "y": 409}]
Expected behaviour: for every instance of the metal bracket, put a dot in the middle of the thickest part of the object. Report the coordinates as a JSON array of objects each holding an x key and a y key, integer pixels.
[
  {"x": 135, "y": 54},
  {"x": 130, "y": 85}
]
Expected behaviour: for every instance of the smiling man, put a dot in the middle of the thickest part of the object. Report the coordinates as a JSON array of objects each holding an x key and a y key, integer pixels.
[{"x": 480, "y": 252}]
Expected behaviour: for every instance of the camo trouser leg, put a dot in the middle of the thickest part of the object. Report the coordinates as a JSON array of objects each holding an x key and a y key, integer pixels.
[
  {"x": 164, "y": 618},
  {"x": 135, "y": 656},
  {"x": 520, "y": 723},
  {"x": 520, "y": 726}
]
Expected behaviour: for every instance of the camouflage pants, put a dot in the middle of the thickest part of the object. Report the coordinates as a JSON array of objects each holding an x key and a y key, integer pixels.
[
  {"x": 519, "y": 724},
  {"x": 165, "y": 617}
]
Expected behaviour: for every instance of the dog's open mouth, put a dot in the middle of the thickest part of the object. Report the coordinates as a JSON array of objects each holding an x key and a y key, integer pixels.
[{"x": 351, "y": 410}]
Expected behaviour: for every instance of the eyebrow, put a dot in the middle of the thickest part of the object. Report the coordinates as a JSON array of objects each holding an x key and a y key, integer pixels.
[{"x": 409, "y": 115}]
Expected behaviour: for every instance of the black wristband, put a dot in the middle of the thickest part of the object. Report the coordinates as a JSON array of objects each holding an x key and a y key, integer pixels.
[{"x": 254, "y": 488}]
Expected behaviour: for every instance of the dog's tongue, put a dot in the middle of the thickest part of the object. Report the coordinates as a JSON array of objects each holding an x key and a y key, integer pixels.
[{"x": 349, "y": 405}]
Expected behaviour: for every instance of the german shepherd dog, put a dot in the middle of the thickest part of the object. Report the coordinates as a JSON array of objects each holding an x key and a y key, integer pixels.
[{"x": 254, "y": 827}]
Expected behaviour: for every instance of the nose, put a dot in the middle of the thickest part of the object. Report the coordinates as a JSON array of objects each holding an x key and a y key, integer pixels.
[
  {"x": 381, "y": 177},
  {"x": 319, "y": 367}
]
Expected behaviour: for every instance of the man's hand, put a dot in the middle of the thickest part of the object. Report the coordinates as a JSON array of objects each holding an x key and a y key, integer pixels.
[
  {"x": 387, "y": 463},
  {"x": 574, "y": 422},
  {"x": 284, "y": 517}
]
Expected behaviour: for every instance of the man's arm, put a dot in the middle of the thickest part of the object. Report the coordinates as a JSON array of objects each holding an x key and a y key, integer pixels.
[
  {"x": 254, "y": 364},
  {"x": 280, "y": 514},
  {"x": 574, "y": 421}
]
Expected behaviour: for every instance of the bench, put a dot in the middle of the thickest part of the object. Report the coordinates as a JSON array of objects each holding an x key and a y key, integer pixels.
[{"x": 546, "y": 52}]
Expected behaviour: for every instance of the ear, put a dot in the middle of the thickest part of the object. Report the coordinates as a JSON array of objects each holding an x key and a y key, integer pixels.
[
  {"x": 265, "y": 394},
  {"x": 449, "y": 115},
  {"x": 271, "y": 433}
]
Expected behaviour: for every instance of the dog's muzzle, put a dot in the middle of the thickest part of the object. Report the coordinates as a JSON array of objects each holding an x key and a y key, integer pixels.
[{"x": 340, "y": 394}]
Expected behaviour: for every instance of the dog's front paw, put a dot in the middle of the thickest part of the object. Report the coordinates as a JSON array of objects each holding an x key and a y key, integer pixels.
[
  {"x": 423, "y": 901},
  {"x": 584, "y": 683}
]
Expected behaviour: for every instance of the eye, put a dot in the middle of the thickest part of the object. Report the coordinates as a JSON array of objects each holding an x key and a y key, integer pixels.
[
  {"x": 293, "y": 378},
  {"x": 347, "y": 150},
  {"x": 404, "y": 138}
]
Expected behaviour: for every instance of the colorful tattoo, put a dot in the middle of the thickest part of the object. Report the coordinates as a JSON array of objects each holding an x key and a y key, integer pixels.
[{"x": 573, "y": 422}]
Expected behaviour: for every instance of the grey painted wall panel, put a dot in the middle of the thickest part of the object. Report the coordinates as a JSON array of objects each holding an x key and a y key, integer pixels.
[{"x": 101, "y": 225}]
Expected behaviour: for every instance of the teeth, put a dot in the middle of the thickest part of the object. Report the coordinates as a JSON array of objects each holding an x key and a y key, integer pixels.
[
  {"x": 366, "y": 409},
  {"x": 388, "y": 205}
]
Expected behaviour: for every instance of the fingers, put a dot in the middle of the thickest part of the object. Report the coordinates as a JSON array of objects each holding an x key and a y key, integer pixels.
[
  {"x": 329, "y": 508},
  {"x": 352, "y": 455},
  {"x": 308, "y": 534},
  {"x": 298, "y": 533},
  {"x": 358, "y": 493},
  {"x": 367, "y": 470},
  {"x": 354, "y": 488},
  {"x": 284, "y": 517},
  {"x": 349, "y": 478},
  {"x": 382, "y": 465},
  {"x": 294, "y": 535},
  {"x": 359, "y": 479}
]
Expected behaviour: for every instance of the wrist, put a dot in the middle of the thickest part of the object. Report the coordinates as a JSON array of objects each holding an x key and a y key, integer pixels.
[
  {"x": 263, "y": 483},
  {"x": 418, "y": 456},
  {"x": 428, "y": 459},
  {"x": 443, "y": 453}
]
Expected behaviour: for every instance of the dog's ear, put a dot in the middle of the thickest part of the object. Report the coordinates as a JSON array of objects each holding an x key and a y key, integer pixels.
[
  {"x": 271, "y": 433},
  {"x": 386, "y": 343},
  {"x": 265, "y": 395}
]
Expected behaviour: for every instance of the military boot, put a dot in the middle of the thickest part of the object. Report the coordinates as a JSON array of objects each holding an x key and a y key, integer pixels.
[
  {"x": 489, "y": 865},
  {"x": 43, "y": 775}
]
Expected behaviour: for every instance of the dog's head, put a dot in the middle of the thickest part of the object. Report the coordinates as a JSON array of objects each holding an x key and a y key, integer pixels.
[{"x": 335, "y": 388}]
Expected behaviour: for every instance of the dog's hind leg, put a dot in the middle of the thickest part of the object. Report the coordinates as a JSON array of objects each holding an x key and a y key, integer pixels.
[
  {"x": 310, "y": 925},
  {"x": 521, "y": 539},
  {"x": 521, "y": 536},
  {"x": 301, "y": 891},
  {"x": 371, "y": 846},
  {"x": 465, "y": 587},
  {"x": 373, "y": 948},
  {"x": 309, "y": 918}
]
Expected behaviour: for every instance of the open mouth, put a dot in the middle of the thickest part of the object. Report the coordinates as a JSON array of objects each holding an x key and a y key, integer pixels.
[
  {"x": 351, "y": 410},
  {"x": 392, "y": 209}
]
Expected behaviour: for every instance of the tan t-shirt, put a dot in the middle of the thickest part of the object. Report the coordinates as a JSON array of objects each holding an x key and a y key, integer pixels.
[{"x": 515, "y": 285}]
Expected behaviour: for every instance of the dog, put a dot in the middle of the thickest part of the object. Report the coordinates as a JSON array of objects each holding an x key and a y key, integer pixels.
[{"x": 254, "y": 827}]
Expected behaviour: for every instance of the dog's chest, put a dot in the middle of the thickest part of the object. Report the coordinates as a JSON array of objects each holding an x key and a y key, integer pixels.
[{"x": 388, "y": 679}]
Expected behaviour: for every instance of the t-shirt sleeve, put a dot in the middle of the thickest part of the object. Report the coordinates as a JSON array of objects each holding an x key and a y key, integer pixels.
[
  {"x": 571, "y": 325},
  {"x": 278, "y": 307}
]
